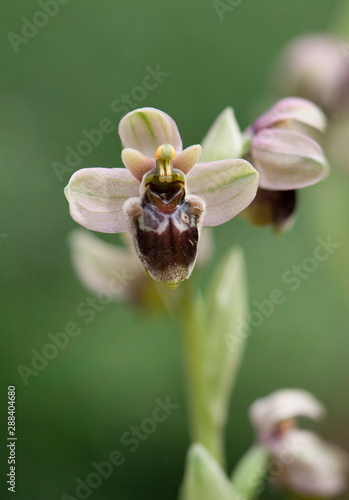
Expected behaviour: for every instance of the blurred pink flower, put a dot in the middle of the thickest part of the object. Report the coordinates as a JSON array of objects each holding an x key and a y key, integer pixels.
[
  {"x": 287, "y": 159},
  {"x": 300, "y": 460},
  {"x": 315, "y": 67}
]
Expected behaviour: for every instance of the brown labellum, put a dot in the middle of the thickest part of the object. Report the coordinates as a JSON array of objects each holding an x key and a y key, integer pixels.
[
  {"x": 166, "y": 228},
  {"x": 272, "y": 207}
]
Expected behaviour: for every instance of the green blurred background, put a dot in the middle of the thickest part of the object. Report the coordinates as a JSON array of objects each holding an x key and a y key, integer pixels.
[{"x": 63, "y": 81}]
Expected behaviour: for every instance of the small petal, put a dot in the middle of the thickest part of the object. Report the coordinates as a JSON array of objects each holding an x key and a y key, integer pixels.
[
  {"x": 292, "y": 109},
  {"x": 309, "y": 466},
  {"x": 101, "y": 266},
  {"x": 137, "y": 163},
  {"x": 267, "y": 413},
  {"x": 145, "y": 129},
  {"x": 224, "y": 139},
  {"x": 185, "y": 160},
  {"x": 286, "y": 159},
  {"x": 96, "y": 197},
  {"x": 226, "y": 186}
]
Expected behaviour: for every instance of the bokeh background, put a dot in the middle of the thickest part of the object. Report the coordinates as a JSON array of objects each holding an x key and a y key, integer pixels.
[{"x": 107, "y": 379}]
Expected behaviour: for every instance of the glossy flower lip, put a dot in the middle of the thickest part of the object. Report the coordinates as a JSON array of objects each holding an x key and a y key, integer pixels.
[{"x": 163, "y": 197}]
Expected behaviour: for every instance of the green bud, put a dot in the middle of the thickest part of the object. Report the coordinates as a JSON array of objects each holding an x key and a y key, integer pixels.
[{"x": 224, "y": 140}]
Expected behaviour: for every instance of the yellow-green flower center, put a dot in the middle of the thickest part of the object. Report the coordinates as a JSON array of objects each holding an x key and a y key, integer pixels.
[{"x": 164, "y": 156}]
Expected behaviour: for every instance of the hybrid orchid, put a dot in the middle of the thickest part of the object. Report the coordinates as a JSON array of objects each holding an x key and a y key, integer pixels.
[
  {"x": 303, "y": 462},
  {"x": 279, "y": 146},
  {"x": 163, "y": 197}
]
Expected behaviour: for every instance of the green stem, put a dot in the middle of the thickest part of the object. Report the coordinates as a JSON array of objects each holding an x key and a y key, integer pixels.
[{"x": 203, "y": 428}]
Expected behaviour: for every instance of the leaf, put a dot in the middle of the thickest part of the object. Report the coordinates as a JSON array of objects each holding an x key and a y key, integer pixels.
[
  {"x": 250, "y": 471},
  {"x": 227, "y": 310},
  {"x": 204, "y": 479}
]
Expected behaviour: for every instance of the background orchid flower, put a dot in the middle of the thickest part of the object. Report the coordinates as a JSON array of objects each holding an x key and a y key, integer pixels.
[
  {"x": 302, "y": 461},
  {"x": 278, "y": 147},
  {"x": 163, "y": 197},
  {"x": 316, "y": 67}
]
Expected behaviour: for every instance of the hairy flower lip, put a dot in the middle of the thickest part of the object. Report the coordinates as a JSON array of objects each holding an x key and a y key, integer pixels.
[{"x": 166, "y": 242}]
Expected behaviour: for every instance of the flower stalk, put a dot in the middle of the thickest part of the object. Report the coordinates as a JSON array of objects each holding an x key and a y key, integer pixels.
[
  {"x": 213, "y": 350},
  {"x": 203, "y": 428}
]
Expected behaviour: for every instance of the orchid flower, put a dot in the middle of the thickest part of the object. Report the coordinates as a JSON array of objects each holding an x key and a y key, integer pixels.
[
  {"x": 163, "y": 197},
  {"x": 278, "y": 146},
  {"x": 300, "y": 460},
  {"x": 286, "y": 158}
]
